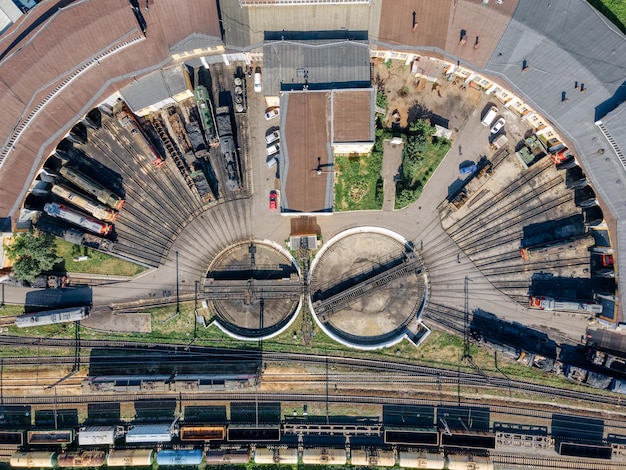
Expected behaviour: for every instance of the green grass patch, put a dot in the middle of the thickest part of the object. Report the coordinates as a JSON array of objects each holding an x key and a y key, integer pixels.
[
  {"x": 98, "y": 262},
  {"x": 423, "y": 152},
  {"x": 614, "y": 10},
  {"x": 358, "y": 184}
]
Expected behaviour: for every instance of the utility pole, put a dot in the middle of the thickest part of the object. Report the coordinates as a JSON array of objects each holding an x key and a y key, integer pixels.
[
  {"x": 177, "y": 291},
  {"x": 466, "y": 339}
]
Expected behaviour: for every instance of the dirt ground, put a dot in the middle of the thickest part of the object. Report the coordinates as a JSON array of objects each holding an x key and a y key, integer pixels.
[{"x": 443, "y": 102}]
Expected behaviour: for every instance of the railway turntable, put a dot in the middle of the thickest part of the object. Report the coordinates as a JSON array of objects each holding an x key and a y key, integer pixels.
[
  {"x": 368, "y": 289},
  {"x": 253, "y": 289}
]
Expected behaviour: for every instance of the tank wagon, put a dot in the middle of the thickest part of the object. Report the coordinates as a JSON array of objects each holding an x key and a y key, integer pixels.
[
  {"x": 372, "y": 458},
  {"x": 130, "y": 458},
  {"x": 88, "y": 458},
  {"x": 64, "y": 213},
  {"x": 228, "y": 457},
  {"x": 99, "y": 211},
  {"x": 324, "y": 456},
  {"x": 179, "y": 457},
  {"x": 206, "y": 115},
  {"x": 265, "y": 455},
  {"x": 227, "y": 147},
  {"x": 33, "y": 460},
  {"x": 51, "y": 317},
  {"x": 92, "y": 187},
  {"x": 421, "y": 460}
]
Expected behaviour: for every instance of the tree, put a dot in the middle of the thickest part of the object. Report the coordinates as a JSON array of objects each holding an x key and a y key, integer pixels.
[{"x": 32, "y": 254}]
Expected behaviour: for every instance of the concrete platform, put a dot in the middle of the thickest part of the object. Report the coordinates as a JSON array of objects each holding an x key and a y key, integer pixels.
[
  {"x": 240, "y": 290},
  {"x": 374, "y": 316}
]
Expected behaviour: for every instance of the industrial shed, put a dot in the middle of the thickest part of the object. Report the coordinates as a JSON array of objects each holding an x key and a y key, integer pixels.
[
  {"x": 296, "y": 61},
  {"x": 164, "y": 87},
  {"x": 98, "y": 435},
  {"x": 149, "y": 433}
]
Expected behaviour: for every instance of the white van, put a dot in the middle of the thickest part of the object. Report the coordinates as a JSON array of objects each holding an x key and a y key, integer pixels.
[
  {"x": 272, "y": 149},
  {"x": 490, "y": 116},
  {"x": 272, "y": 137},
  {"x": 272, "y": 160}
]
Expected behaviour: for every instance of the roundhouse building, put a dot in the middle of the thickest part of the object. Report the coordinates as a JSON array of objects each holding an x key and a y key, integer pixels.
[{"x": 63, "y": 57}]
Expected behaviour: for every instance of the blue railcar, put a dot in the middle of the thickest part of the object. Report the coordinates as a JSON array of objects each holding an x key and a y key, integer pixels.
[{"x": 179, "y": 457}]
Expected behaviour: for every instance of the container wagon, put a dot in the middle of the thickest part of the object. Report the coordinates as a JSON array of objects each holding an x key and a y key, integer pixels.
[
  {"x": 206, "y": 115},
  {"x": 92, "y": 187},
  {"x": 11, "y": 438},
  {"x": 557, "y": 246},
  {"x": 64, "y": 213},
  {"x": 149, "y": 433},
  {"x": 50, "y": 437},
  {"x": 202, "y": 433},
  {"x": 33, "y": 460},
  {"x": 99, "y": 211},
  {"x": 51, "y": 317},
  {"x": 98, "y": 435}
]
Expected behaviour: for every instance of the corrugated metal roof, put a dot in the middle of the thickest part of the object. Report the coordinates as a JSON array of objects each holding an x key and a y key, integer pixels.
[
  {"x": 289, "y": 65},
  {"x": 155, "y": 87},
  {"x": 567, "y": 43}
]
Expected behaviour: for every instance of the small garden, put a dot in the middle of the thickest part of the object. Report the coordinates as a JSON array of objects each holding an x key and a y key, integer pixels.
[
  {"x": 358, "y": 184},
  {"x": 423, "y": 151}
]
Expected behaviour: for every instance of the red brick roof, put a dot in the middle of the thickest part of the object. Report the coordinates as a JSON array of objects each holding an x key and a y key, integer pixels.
[{"x": 45, "y": 49}]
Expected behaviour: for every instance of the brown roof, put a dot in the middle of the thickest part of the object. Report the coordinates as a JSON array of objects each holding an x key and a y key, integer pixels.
[
  {"x": 305, "y": 138},
  {"x": 439, "y": 24},
  {"x": 352, "y": 115},
  {"x": 40, "y": 53}
]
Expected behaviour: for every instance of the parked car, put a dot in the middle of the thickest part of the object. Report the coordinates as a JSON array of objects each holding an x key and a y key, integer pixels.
[
  {"x": 272, "y": 113},
  {"x": 273, "y": 149},
  {"x": 257, "y": 80},
  {"x": 273, "y": 201},
  {"x": 272, "y": 137},
  {"x": 468, "y": 169},
  {"x": 272, "y": 160},
  {"x": 489, "y": 117},
  {"x": 498, "y": 125}
]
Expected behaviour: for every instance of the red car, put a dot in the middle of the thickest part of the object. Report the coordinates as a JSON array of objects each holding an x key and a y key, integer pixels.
[{"x": 273, "y": 201}]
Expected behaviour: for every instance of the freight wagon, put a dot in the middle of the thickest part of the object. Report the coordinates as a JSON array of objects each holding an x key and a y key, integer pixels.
[{"x": 50, "y": 317}]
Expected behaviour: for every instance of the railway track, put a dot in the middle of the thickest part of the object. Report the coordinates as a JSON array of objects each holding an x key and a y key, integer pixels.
[
  {"x": 503, "y": 460},
  {"x": 381, "y": 366}
]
